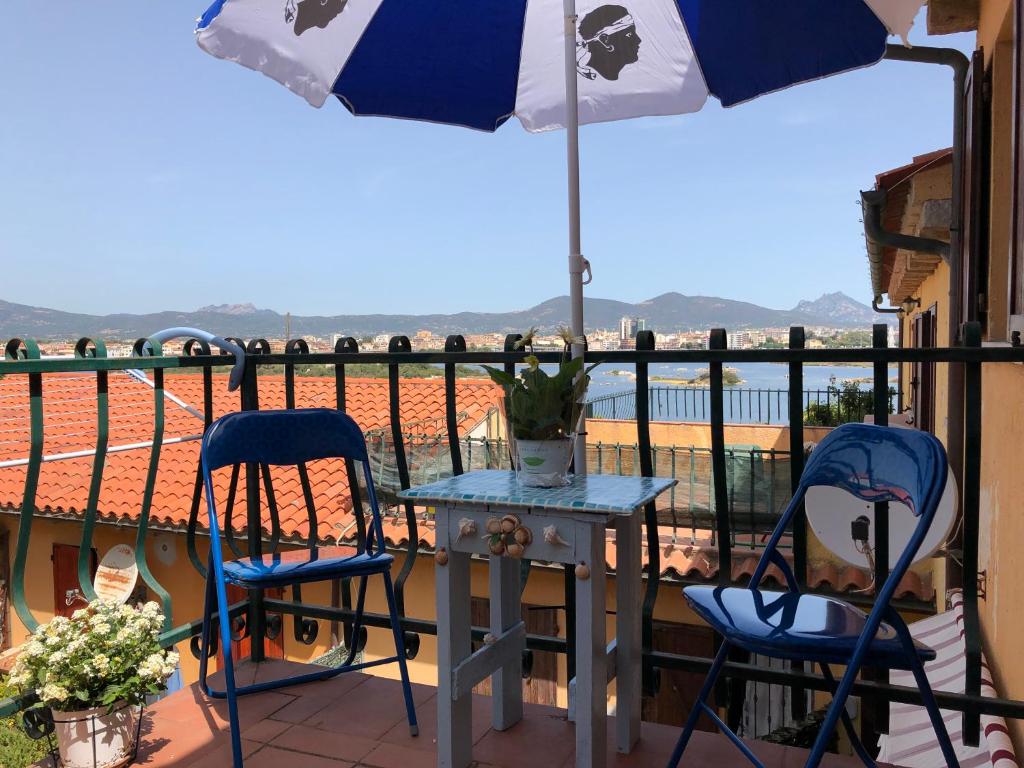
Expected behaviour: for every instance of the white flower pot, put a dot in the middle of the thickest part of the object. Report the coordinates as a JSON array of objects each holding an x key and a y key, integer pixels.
[
  {"x": 94, "y": 738},
  {"x": 543, "y": 463}
]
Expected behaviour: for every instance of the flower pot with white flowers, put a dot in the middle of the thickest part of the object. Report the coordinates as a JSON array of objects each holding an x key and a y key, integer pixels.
[
  {"x": 93, "y": 672},
  {"x": 543, "y": 412}
]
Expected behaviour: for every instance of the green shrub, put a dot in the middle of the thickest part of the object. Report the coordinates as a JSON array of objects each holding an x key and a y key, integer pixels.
[
  {"x": 843, "y": 404},
  {"x": 17, "y": 750}
]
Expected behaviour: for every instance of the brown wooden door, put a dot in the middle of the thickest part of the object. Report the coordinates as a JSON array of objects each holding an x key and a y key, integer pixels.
[
  {"x": 542, "y": 685},
  {"x": 678, "y": 692},
  {"x": 66, "y": 587},
  {"x": 922, "y": 381},
  {"x": 272, "y": 649}
]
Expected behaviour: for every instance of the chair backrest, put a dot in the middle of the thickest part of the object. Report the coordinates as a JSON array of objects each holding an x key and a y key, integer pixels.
[
  {"x": 875, "y": 464},
  {"x": 287, "y": 437},
  {"x": 282, "y": 437},
  {"x": 881, "y": 464}
]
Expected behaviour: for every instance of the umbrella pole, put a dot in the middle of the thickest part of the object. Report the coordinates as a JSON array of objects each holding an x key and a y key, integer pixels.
[{"x": 576, "y": 260}]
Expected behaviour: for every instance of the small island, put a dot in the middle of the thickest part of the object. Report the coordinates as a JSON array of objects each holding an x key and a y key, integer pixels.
[{"x": 730, "y": 378}]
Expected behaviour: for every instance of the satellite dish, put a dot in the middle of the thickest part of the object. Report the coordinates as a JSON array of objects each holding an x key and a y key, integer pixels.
[
  {"x": 166, "y": 549},
  {"x": 116, "y": 575},
  {"x": 832, "y": 511}
]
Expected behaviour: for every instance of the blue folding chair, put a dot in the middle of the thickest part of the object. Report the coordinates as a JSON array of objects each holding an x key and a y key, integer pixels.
[
  {"x": 291, "y": 437},
  {"x": 875, "y": 464}
]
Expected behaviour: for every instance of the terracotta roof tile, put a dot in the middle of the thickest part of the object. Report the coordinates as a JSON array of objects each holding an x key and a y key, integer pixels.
[
  {"x": 70, "y": 426},
  {"x": 70, "y": 413}
]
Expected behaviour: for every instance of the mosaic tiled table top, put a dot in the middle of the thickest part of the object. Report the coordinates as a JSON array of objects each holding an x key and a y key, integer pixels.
[{"x": 594, "y": 493}]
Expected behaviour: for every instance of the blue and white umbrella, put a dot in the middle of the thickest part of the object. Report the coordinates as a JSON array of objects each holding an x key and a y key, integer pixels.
[{"x": 476, "y": 63}]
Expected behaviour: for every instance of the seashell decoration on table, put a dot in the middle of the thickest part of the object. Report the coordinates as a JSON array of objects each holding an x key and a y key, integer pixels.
[{"x": 507, "y": 536}]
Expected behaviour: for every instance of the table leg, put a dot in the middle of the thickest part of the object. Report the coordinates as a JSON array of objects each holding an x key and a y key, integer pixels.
[
  {"x": 507, "y": 680},
  {"x": 628, "y": 597},
  {"x": 591, "y": 658},
  {"x": 454, "y": 716}
]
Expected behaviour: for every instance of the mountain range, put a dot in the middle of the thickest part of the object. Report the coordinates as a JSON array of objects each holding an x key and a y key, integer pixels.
[{"x": 669, "y": 312}]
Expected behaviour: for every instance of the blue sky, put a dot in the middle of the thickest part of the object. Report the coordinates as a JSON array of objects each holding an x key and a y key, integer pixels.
[{"x": 140, "y": 174}]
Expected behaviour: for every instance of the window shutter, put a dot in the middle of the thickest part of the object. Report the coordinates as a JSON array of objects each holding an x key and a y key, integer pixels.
[
  {"x": 971, "y": 245},
  {"x": 1017, "y": 234}
]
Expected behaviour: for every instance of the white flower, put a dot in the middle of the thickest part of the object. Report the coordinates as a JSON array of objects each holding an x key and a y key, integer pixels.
[
  {"x": 19, "y": 677},
  {"x": 53, "y": 692},
  {"x": 106, "y": 646},
  {"x": 33, "y": 648}
]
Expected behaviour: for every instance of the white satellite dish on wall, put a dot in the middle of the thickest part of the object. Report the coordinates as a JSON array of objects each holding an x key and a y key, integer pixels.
[
  {"x": 117, "y": 573},
  {"x": 832, "y": 511}
]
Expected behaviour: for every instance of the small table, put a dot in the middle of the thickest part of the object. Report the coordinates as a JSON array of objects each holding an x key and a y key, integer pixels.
[{"x": 560, "y": 525}]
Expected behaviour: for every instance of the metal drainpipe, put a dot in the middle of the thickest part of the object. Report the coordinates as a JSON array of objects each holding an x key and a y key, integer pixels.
[
  {"x": 884, "y": 310},
  {"x": 872, "y": 204},
  {"x": 960, "y": 64}
]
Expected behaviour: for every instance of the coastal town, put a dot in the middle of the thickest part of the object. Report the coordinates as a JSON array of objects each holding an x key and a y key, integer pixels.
[{"x": 601, "y": 339}]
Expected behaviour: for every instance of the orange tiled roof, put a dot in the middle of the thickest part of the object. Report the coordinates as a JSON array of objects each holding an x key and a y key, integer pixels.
[
  {"x": 70, "y": 423},
  {"x": 897, "y": 190},
  {"x": 70, "y": 427}
]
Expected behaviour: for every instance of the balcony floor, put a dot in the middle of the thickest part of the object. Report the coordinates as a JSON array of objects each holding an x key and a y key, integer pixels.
[{"x": 359, "y": 720}]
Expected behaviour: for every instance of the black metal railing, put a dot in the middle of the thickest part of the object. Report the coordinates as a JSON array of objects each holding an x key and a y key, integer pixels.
[
  {"x": 25, "y": 365},
  {"x": 826, "y": 406}
]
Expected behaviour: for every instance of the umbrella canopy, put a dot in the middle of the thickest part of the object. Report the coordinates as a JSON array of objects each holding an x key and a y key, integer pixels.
[
  {"x": 476, "y": 63},
  {"x": 551, "y": 63}
]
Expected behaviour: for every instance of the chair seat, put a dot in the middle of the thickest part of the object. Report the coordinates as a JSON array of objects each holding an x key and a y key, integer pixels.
[
  {"x": 795, "y": 626},
  {"x": 301, "y": 565}
]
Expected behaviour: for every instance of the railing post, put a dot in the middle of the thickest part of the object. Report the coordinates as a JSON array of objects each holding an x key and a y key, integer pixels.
[
  {"x": 152, "y": 348},
  {"x": 87, "y": 348},
  {"x": 971, "y": 531},
  {"x": 256, "y": 622},
  {"x": 191, "y": 348},
  {"x": 645, "y": 343},
  {"x": 453, "y": 343},
  {"x": 798, "y": 699},
  {"x": 880, "y": 407},
  {"x": 304, "y": 630},
  {"x": 400, "y": 345},
  {"x": 349, "y": 346},
  {"x": 735, "y": 687},
  {"x": 717, "y": 342},
  {"x": 27, "y": 349}
]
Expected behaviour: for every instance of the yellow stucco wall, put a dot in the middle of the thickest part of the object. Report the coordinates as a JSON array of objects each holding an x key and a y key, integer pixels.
[
  {"x": 545, "y": 587},
  {"x": 1002, "y": 482}
]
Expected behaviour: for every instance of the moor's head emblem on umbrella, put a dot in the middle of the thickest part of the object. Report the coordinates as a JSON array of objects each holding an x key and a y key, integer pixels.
[
  {"x": 607, "y": 42},
  {"x": 307, "y": 14}
]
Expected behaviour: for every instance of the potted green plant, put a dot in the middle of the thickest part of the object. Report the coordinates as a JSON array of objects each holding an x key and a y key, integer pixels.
[
  {"x": 543, "y": 412},
  {"x": 93, "y": 671}
]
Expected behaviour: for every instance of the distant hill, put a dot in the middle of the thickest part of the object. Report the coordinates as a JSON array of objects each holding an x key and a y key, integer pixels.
[
  {"x": 840, "y": 308},
  {"x": 669, "y": 311}
]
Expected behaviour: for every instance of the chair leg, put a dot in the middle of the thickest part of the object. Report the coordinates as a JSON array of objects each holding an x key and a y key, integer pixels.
[
  {"x": 229, "y": 668},
  {"x": 851, "y": 732},
  {"x": 925, "y": 687},
  {"x": 396, "y": 629},
  {"x": 835, "y": 710},
  {"x": 932, "y": 706},
  {"x": 705, "y": 691},
  {"x": 206, "y": 637}
]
